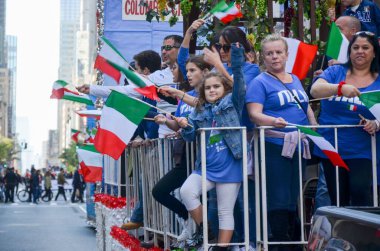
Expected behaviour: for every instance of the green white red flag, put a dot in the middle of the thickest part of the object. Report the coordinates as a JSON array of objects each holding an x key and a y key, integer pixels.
[
  {"x": 142, "y": 85},
  {"x": 337, "y": 45},
  {"x": 108, "y": 53},
  {"x": 111, "y": 62},
  {"x": 226, "y": 12},
  {"x": 89, "y": 113},
  {"x": 63, "y": 90},
  {"x": 91, "y": 163},
  {"x": 372, "y": 101},
  {"x": 120, "y": 118},
  {"x": 75, "y": 135},
  {"x": 325, "y": 146},
  {"x": 89, "y": 137},
  {"x": 300, "y": 58}
]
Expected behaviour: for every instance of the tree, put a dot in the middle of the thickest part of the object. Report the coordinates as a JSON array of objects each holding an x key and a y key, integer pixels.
[
  {"x": 69, "y": 156},
  {"x": 6, "y": 150}
]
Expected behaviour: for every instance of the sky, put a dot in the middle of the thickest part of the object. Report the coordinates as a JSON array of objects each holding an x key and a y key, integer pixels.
[{"x": 36, "y": 25}]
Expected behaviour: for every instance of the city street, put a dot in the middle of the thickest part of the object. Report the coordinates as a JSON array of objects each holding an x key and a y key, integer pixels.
[{"x": 58, "y": 226}]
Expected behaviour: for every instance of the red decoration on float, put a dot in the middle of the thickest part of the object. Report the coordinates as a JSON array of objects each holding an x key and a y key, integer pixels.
[
  {"x": 129, "y": 241},
  {"x": 111, "y": 202}
]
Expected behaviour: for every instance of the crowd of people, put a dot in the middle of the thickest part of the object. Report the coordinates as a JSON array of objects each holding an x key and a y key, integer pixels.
[
  {"x": 39, "y": 185},
  {"x": 226, "y": 86}
]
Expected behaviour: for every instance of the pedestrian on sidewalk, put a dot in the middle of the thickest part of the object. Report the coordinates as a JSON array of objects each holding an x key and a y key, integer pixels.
[
  {"x": 77, "y": 187},
  {"x": 61, "y": 184},
  {"x": 47, "y": 184},
  {"x": 10, "y": 180}
]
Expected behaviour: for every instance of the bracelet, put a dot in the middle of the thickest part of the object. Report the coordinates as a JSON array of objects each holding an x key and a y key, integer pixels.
[
  {"x": 340, "y": 85},
  {"x": 184, "y": 93},
  {"x": 377, "y": 125}
]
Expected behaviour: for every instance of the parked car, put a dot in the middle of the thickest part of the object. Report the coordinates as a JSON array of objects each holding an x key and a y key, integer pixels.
[{"x": 345, "y": 229}]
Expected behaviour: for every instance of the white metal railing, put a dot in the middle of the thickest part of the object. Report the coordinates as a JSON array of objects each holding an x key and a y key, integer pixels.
[
  {"x": 151, "y": 162},
  {"x": 262, "y": 242},
  {"x": 202, "y": 131}
]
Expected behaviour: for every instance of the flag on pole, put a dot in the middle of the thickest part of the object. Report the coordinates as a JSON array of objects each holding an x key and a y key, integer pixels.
[
  {"x": 226, "y": 12},
  {"x": 111, "y": 62},
  {"x": 75, "y": 135},
  {"x": 63, "y": 90},
  {"x": 89, "y": 113},
  {"x": 337, "y": 45},
  {"x": 372, "y": 101},
  {"x": 301, "y": 56},
  {"x": 90, "y": 136},
  {"x": 90, "y": 162},
  {"x": 142, "y": 85},
  {"x": 120, "y": 118},
  {"x": 102, "y": 65},
  {"x": 325, "y": 146}
]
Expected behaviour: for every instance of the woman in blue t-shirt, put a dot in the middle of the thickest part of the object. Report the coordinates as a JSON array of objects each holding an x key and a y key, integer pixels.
[
  {"x": 275, "y": 98},
  {"x": 343, "y": 84}
]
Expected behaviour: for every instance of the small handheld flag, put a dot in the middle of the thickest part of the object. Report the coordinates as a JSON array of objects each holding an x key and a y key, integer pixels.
[
  {"x": 120, "y": 118},
  {"x": 372, "y": 101},
  {"x": 337, "y": 45},
  {"x": 325, "y": 146},
  {"x": 226, "y": 12},
  {"x": 63, "y": 90}
]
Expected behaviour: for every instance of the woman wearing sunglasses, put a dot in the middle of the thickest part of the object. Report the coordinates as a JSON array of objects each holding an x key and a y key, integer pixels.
[{"x": 344, "y": 83}]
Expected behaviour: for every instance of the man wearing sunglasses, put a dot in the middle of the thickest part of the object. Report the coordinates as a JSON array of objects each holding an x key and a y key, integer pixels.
[
  {"x": 367, "y": 12},
  {"x": 169, "y": 53}
]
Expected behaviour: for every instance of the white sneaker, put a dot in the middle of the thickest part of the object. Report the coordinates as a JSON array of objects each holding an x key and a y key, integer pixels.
[
  {"x": 250, "y": 248},
  {"x": 186, "y": 230}
]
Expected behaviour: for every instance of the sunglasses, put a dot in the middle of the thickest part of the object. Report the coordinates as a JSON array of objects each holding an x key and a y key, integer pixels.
[
  {"x": 368, "y": 33},
  {"x": 226, "y": 47},
  {"x": 168, "y": 47}
]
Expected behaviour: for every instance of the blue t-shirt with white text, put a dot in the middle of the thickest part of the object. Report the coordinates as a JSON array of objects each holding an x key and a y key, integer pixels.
[
  {"x": 352, "y": 142},
  {"x": 277, "y": 100}
]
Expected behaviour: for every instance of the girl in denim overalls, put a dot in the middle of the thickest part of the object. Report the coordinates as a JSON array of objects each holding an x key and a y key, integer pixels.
[{"x": 219, "y": 106}]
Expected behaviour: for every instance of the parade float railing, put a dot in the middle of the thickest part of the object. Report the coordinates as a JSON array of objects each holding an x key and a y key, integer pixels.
[{"x": 262, "y": 227}]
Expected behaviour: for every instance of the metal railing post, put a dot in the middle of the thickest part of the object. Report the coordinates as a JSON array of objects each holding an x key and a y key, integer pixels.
[
  {"x": 204, "y": 189},
  {"x": 245, "y": 189}
]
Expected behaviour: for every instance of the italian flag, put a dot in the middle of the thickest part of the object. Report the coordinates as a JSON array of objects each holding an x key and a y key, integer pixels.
[
  {"x": 352, "y": 108},
  {"x": 325, "y": 146},
  {"x": 142, "y": 85},
  {"x": 108, "y": 53},
  {"x": 75, "y": 135},
  {"x": 301, "y": 56},
  {"x": 337, "y": 45},
  {"x": 90, "y": 162},
  {"x": 63, "y": 90},
  {"x": 89, "y": 113},
  {"x": 226, "y": 12},
  {"x": 120, "y": 118},
  {"x": 111, "y": 62},
  {"x": 372, "y": 101}
]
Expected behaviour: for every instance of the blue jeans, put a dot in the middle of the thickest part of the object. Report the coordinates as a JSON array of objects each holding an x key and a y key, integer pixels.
[
  {"x": 322, "y": 197},
  {"x": 354, "y": 185},
  {"x": 282, "y": 179},
  {"x": 138, "y": 211}
]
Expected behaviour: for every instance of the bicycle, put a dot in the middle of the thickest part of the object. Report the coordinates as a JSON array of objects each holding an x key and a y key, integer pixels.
[
  {"x": 46, "y": 197},
  {"x": 23, "y": 195}
]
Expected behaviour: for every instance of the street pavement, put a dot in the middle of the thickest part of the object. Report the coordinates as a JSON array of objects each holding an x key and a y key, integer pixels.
[{"x": 52, "y": 226}]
